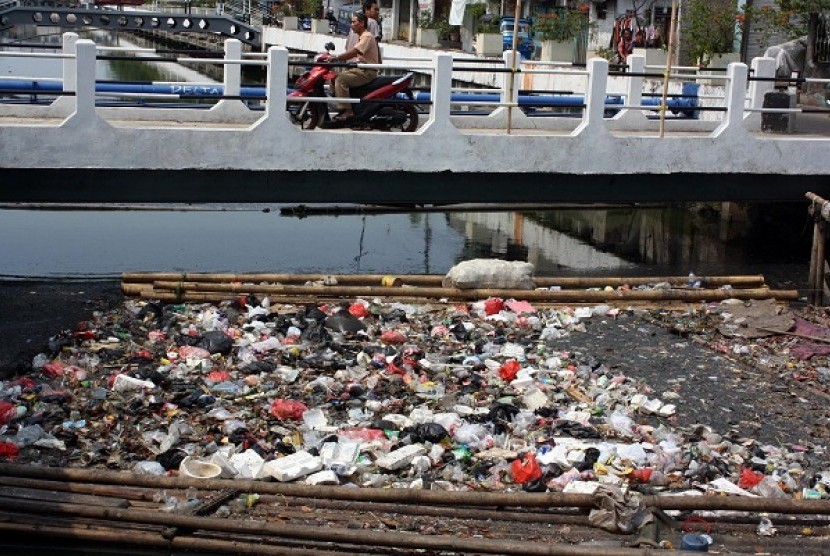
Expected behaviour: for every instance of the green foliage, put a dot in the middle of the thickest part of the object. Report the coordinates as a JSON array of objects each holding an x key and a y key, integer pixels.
[
  {"x": 311, "y": 8},
  {"x": 562, "y": 25},
  {"x": 708, "y": 28},
  {"x": 485, "y": 23},
  {"x": 426, "y": 21}
]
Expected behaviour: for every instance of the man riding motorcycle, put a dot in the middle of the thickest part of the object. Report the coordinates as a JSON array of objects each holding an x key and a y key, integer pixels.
[{"x": 364, "y": 52}]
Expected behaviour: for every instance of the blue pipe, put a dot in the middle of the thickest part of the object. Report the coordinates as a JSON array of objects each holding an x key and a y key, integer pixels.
[{"x": 686, "y": 103}]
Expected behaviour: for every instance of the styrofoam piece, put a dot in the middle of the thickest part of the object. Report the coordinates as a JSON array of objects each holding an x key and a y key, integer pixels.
[
  {"x": 401, "y": 457},
  {"x": 228, "y": 470},
  {"x": 581, "y": 487},
  {"x": 325, "y": 477},
  {"x": 535, "y": 399},
  {"x": 294, "y": 466},
  {"x": 124, "y": 383},
  {"x": 199, "y": 469},
  {"x": 248, "y": 465}
]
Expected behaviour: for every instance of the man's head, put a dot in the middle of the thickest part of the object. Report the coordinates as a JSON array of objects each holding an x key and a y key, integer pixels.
[
  {"x": 371, "y": 9},
  {"x": 358, "y": 22}
]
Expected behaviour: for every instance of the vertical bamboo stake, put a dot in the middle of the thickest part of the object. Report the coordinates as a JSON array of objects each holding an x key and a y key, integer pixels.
[
  {"x": 821, "y": 260},
  {"x": 516, "y": 14},
  {"x": 669, "y": 56},
  {"x": 811, "y": 276}
]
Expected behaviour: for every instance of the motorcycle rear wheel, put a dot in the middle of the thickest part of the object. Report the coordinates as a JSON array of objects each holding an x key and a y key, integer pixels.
[
  {"x": 306, "y": 116},
  {"x": 411, "y": 123}
]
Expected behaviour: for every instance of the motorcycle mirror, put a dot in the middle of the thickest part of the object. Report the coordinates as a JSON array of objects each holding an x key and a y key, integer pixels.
[{"x": 329, "y": 46}]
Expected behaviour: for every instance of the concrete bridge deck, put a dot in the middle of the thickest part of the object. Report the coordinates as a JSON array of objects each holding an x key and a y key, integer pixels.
[{"x": 72, "y": 150}]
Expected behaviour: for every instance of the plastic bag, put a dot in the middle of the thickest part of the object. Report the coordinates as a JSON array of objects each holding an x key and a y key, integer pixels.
[
  {"x": 288, "y": 410},
  {"x": 509, "y": 370},
  {"x": 216, "y": 341},
  {"x": 749, "y": 478},
  {"x": 9, "y": 450},
  {"x": 493, "y": 305},
  {"x": 525, "y": 469}
]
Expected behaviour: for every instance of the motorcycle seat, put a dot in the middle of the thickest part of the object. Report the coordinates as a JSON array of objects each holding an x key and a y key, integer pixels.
[{"x": 377, "y": 83}]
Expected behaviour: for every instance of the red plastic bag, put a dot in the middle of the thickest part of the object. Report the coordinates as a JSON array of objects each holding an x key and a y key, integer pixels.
[
  {"x": 749, "y": 478},
  {"x": 392, "y": 337},
  {"x": 8, "y": 450},
  {"x": 363, "y": 434},
  {"x": 54, "y": 369},
  {"x": 358, "y": 310},
  {"x": 219, "y": 376},
  {"x": 642, "y": 475},
  {"x": 493, "y": 305},
  {"x": 509, "y": 370},
  {"x": 525, "y": 470},
  {"x": 8, "y": 412},
  {"x": 288, "y": 410}
]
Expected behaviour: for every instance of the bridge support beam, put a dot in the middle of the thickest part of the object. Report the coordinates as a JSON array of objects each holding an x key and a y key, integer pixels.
[{"x": 733, "y": 121}]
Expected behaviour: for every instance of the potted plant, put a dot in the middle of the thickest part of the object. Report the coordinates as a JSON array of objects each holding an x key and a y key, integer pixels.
[
  {"x": 313, "y": 10},
  {"x": 428, "y": 30},
  {"x": 289, "y": 19},
  {"x": 488, "y": 37},
  {"x": 558, "y": 31}
]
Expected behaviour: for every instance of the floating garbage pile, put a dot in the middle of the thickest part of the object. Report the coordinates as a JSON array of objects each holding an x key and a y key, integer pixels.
[{"x": 442, "y": 396}]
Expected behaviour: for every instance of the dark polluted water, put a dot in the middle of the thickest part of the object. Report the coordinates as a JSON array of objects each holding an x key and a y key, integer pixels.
[{"x": 708, "y": 239}]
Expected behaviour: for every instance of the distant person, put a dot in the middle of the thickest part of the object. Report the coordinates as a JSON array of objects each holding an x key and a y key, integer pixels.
[
  {"x": 364, "y": 52},
  {"x": 626, "y": 45},
  {"x": 371, "y": 10}
]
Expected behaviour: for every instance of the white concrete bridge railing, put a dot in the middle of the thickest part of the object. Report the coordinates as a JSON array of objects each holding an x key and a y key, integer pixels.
[{"x": 74, "y": 133}]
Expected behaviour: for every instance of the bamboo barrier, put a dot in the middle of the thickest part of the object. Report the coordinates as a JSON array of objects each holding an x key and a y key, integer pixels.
[
  {"x": 132, "y": 537},
  {"x": 414, "y": 496},
  {"x": 322, "y": 534},
  {"x": 573, "y": 296},
  {"x": 739, "y": 281}
]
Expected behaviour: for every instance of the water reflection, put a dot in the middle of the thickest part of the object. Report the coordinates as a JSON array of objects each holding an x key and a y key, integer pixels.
[{"x": 769, "y": 240}]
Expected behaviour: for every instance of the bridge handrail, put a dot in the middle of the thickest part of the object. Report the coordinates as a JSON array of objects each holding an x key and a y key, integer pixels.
[{"x": 740, "y": 106}]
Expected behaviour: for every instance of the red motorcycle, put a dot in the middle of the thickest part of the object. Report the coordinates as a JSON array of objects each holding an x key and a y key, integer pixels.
[{"x": 386, "y": 103}]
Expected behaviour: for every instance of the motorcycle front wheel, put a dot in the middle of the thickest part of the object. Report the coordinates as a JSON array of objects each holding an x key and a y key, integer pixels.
[
  {"x": 306, "y": 115},
  {"x": 411, "y": 123}
]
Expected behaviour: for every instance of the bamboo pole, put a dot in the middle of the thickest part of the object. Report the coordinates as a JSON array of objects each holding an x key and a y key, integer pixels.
[
  {"x": 669, "y": 60},
  {"x": 412, "y": 496},
  {"x": 323, "y": 534},
  {"x": 436, "y": 279},
  {"x": 517, "y": 14},
  {"x": 111, "y": 536},
  {"x": 574, "y": 296},
  {"x": 821, "y": 261}
]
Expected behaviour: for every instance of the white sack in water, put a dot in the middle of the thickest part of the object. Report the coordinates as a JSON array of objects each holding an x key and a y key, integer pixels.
[{"x": 490, "y": 273}]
